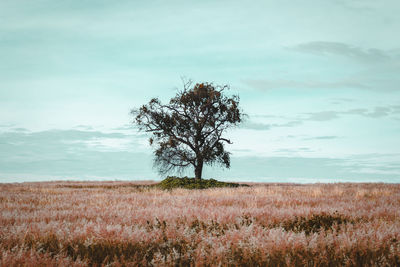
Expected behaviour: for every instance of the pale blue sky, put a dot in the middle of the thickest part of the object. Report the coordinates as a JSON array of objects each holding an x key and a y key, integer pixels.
[{"x": 319, "y": 79}]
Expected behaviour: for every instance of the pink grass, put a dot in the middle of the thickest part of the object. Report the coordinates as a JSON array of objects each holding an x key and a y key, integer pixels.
[{"x": 94, "y": 223}]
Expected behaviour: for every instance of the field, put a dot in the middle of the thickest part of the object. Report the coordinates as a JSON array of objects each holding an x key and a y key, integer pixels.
[{"x": 127, "y": 224}]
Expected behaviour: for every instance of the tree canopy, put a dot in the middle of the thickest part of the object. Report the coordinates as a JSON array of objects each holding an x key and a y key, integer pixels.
[{"x": 188, "y": 131}]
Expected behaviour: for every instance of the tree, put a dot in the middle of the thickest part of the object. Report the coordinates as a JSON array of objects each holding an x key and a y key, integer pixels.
[{"x": 188, "y": 131}]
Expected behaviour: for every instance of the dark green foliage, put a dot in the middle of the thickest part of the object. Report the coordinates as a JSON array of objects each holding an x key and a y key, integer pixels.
[
  {"x": 315, "y": 223},
  {"x": 192, "y": 183}
]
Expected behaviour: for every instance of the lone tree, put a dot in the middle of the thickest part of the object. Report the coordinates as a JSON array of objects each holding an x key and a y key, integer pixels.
[{"x": 188, "y": 130}]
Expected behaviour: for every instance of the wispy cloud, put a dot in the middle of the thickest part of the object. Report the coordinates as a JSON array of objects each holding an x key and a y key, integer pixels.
[
  {"x": 78, "y": 153},
  {"x": 277, "y": 84},
  {"x": 370, "y": 55},
  {"x": 324, "y": 137},
  {"x": 251, "y": 125},
  {"x": 341, "y": 100},
  {"x": 395, "y": 109},
  {"x": 377, "y": 112},
  {"x": 381, "y": 78},
  {"x": 322, "y": 116},
  {"x": 391, "y": 112},
  {"x": 293, "y": 150},
  {"x": 294, "y": 169}
]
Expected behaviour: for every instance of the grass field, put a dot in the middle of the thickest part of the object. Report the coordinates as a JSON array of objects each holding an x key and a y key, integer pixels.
[{"x": 128, "y": 224}]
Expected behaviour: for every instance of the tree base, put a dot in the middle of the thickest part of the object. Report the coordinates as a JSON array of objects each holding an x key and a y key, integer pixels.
[{"x": 172, "y": 182}]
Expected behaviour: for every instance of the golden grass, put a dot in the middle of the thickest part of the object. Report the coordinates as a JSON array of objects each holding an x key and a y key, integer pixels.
[{"x": 126, "y": 224}]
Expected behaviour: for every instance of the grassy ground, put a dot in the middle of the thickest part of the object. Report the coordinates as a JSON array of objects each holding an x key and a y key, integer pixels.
[
  {"x": 132, "y": 223},
  {"x": 192, "y": 183}
]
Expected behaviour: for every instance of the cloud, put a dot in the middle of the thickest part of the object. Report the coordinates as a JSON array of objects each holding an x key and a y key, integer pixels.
[
  {"x": 18, "y": 129},
  {"x": 290, "y": 123},
  {"x": 310, "y": 170},
  {"x": 278, "y": 84},
  {"x": 377, "y": 112},
  {"x": 340, "y": 100},
  {"x": 324, "y": 137},
  {"x": 379, "y": 71},
  {"x": 74, "y": 153},
  {"x": 293, "y": 150},
  {"x": 125, "y": 127},
  {"x": 308, "y": 138},
  {"x": 84, "y": 127},
  {"x": 377, "y": 77},
  {"x": 322, "y": 116},
  {"x": 75, "y": 139},
  {"x": 395, "y": 108},
  {"x": 251, "y": 125},
  {"x": 371, "y": 55},
  {"x": 63, "y": 154}
]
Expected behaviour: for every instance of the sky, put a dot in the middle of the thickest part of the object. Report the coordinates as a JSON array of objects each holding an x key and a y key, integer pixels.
[{"x": 319, "y": 81}]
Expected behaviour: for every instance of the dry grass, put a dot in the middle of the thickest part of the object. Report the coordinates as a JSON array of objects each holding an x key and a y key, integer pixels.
[{"x": 127, "y": 224}]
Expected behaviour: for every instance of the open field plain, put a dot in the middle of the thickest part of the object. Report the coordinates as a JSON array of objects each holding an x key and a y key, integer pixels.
[{"x": 126, "y": 224}]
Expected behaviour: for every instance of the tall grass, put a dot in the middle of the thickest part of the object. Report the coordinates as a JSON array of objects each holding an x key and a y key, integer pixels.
[{"x": 116, "y": 223}]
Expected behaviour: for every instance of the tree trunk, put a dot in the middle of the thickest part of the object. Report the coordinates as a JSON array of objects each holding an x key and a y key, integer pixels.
[{"x": 198, "y": 169}]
